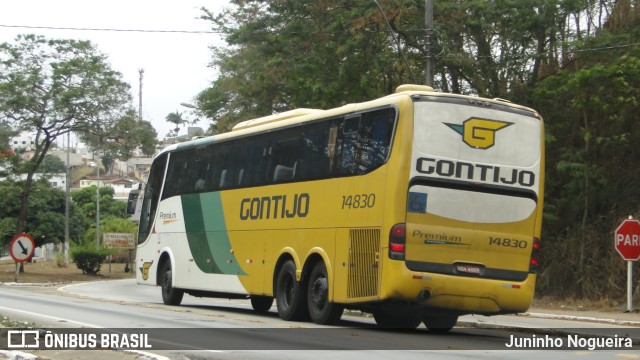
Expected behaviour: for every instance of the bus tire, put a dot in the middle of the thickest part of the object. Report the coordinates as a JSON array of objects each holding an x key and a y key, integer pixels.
[
  {"x": 291, "y": 295},
  {"x": 396, "y": 319},
  {"x": 321, "y": 310},
  {"x": 440, "y": 323},
  {"x": 261, "y": 304},
  {"x": 170, "y": 295}
]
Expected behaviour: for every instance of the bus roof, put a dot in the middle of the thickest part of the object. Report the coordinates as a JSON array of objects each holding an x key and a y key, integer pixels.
[{"x": 302, "y": 115}]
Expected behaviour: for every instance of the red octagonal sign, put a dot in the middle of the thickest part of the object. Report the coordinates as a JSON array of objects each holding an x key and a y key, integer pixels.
[{"x": 627, "y": 240}]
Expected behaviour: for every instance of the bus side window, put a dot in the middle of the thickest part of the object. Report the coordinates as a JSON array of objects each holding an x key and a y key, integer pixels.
[
  {"x": 285, "y": 153},
  {"x": 366, "y": 141},
  {"x": 318, "y": 150},
  {"x": 351, "y": 146},
  {"x": 377, "y": 131}
]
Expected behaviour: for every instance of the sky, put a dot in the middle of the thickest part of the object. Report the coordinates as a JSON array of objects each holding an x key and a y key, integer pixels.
[{"x": 174, "y": 63}]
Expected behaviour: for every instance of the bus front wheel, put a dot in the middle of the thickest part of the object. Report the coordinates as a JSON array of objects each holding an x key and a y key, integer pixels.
[
  {"x": 170, "y": 295},
  {"x": 261, "y": 304},
  {"x": 321, "y": 310},
  {"x": 291, "y": 295}
]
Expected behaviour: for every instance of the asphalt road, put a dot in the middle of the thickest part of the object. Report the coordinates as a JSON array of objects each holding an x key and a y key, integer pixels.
[{"x": 221, "y": 329}]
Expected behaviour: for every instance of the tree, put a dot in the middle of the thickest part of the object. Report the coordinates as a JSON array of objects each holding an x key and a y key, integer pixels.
[
  {"x": 112, "y": 212},
  {"x": 111, "y": 224},
  {"x": 176, "y": 118},
  {"x": 53, "y": 87},
  {"x": 45, "y": 216},
  {"x": 52, "y": 165},
  {"x": 120, "y": 139},
  {"x": 289, "y": 54},
  {"x": 86, "y": 199},
  {"x": 591, "y": 114}
]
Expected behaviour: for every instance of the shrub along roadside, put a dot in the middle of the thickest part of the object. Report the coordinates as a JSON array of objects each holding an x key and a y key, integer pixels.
[{"x": 89, "y": 259}]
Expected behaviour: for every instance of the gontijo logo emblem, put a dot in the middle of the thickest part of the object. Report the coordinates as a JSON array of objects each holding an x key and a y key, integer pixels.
[{"x": 479, "y": 133}]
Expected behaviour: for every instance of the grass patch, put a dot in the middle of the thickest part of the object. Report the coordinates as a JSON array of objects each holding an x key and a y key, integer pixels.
[{"x": 48, "y": 272}]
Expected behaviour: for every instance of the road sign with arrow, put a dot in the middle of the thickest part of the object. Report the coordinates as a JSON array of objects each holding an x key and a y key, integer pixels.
[{"x": 22, "y": 247}]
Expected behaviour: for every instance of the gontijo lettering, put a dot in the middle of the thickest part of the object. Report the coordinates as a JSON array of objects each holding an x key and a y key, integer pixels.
[
  {"x": 475, "y": 172},
  {"x": 275, "y": 207}
]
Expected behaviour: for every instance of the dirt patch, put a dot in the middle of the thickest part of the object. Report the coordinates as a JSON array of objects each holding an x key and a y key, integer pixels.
[
  {"x": 43, "y": 271},
  {"x": 572, "y": 304}
]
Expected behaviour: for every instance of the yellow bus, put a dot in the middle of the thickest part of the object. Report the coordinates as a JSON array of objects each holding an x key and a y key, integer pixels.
[{"x": 416, "y": 207}]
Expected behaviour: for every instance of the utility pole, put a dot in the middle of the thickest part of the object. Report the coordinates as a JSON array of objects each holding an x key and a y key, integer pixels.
[
  {"x": 428, "y": 19},
  {"x": 141, "y": 72},
  {"x": 98, "y": 200},
  {"x": 67, "y": 203}
]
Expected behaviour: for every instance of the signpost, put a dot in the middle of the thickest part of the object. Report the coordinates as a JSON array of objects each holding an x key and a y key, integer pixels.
[
  {"x": 627, "y": 243},
  {"x": 119, "y": 241},
  {"x": 21, "y": 248}
]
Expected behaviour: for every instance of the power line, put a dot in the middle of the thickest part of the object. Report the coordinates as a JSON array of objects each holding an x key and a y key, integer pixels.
[
  {"x": 218, "y": 32},
  {"x": 275, "y": 32},
  {"x": 113, "y": 30}
]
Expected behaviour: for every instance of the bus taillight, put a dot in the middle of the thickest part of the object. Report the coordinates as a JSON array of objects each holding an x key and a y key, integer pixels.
[
  {"x": 535, "y": 256},
  {"x": 397, "y": 240}
]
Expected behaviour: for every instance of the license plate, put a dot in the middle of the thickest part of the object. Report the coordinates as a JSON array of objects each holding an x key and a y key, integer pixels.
[{"x": 470, "y": 269}]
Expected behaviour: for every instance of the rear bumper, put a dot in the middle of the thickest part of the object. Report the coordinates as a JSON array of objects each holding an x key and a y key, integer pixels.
[{"x": 464, "y": 294}]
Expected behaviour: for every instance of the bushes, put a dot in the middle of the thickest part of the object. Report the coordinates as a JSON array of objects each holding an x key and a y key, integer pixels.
[
  {"x": 60, "y": 260},
  {"x": 89, "y": 259}
]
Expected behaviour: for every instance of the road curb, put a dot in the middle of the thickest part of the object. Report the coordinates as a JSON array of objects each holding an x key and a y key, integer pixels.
[{"x": 583, "y": 319}]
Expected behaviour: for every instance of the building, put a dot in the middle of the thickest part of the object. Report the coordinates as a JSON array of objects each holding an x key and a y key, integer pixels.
[
  {"x": 25, "y": 141},
  {"x": 121, "y": 187},
  {"x": 137, "y": 167}
]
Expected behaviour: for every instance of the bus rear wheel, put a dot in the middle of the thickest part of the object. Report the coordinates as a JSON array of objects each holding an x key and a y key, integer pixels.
[
  {"x": 261, "y": 304},
  {"x": 396, "y": 319},
  {"x": 440, "y": 323},
  {"x": 291, "y": 295},
  {"x": 321, "y": 310},
  {"x": 170, "y": 295}
]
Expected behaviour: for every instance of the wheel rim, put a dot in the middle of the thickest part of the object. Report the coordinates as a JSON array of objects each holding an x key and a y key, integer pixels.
[
  {"x": 289, "y": 291},
  {"x": 166, "y": 283},
  {"x": 319, "y": 292}
]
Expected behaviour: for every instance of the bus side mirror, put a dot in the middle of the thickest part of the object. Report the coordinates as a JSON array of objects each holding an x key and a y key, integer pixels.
[
  {"x": 131, "y": 203},
  {"x": 134, "y": 204}
]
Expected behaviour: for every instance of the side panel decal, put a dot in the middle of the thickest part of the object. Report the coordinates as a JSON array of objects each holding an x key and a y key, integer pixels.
[{"x": 209, "y": 243}]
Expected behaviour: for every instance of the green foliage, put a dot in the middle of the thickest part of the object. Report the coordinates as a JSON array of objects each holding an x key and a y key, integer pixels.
[
  {"x": 110, "y": 224},
  {"x": 592, "y": 166},
  {"x": 86, "y": 199},
  {"x": 51, "y": 87},
  {"x": 52, "y": 165},
  {"x": 120, "y": 138},
  {"x": 89, "y": 259},
  {"x": 60, "y": 260},
  {"x": 290, "y": 54},
  {"x": 176, "y": 119},
  {"x": 298, "y": 54},
  {"x": 113, "y": 216},
  {"x": 45, "y": 219}
]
